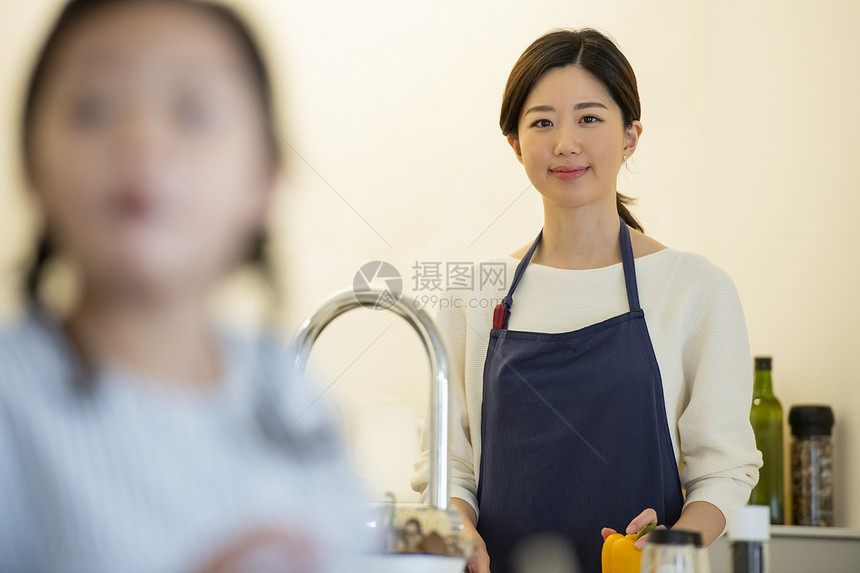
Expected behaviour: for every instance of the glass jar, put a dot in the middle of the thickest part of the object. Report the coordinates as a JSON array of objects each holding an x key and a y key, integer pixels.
[
  {"x": 811, "y": 465},
  {"x": 673, "y": 551}
]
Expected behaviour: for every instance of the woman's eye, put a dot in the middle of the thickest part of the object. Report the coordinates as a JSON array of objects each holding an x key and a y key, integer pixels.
[
  {"x": 542, "y": 123},
  {"x": 589, "y": 119}
]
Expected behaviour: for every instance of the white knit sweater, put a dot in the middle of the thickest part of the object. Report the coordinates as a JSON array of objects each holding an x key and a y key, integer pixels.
[{"x": 697, "y": 328}]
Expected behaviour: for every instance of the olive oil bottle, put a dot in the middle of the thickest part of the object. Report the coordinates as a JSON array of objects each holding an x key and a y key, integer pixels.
[{"x": 766, "y": 419}]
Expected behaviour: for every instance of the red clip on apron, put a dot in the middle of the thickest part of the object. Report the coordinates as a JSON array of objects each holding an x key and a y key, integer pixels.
[{"x": 573, "y": 431}]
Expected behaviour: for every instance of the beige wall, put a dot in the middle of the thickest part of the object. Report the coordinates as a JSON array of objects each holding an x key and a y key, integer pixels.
[{"x": 748, "y": 157}]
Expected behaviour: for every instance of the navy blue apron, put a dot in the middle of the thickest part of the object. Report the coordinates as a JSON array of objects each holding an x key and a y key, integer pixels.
[{"x": 573, "y": 431}]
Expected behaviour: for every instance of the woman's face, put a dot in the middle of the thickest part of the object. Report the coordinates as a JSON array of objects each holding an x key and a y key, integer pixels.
[
  {"x": 150, "y": 157},
  {"x": 572, "y": 140}
]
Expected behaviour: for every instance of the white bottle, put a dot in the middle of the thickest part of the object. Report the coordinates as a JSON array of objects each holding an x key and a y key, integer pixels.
[{"x": 749, "y": 532}]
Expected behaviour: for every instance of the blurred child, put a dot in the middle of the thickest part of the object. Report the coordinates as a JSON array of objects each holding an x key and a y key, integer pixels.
[{"x": 133, "y": 435}]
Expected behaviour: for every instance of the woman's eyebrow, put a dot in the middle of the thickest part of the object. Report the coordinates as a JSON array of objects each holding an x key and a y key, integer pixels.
[
  {"x": 577, "y": 107},
  {"x": 539, "y": 108},
  {"x": 588, "y": 104}
]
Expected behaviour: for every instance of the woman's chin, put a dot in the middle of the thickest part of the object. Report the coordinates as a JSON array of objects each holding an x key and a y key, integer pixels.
[{"x": 570, "y": 199}]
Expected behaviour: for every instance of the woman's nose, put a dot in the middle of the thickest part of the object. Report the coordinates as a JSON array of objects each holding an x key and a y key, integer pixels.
[{"x": 567, "y": 143}]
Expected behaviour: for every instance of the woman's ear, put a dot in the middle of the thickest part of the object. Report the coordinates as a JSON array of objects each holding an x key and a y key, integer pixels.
[
  {"x": 514, "y": 142},
  {"x": 631, "y": 138}
]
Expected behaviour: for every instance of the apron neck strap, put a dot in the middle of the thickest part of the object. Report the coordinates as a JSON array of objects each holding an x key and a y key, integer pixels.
[
  {"x": 518, "y": 274},
  {"x": 626, "y": 260},
  {"x": 629, "y": 267}
]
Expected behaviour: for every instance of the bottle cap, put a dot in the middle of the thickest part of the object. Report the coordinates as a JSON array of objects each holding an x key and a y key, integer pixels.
[
  {"x": 811, "y": 420},
  {"x": 675, "y": 537},
  {"x": 750, "y": 523},
  {"x": 763, "y": 362}
]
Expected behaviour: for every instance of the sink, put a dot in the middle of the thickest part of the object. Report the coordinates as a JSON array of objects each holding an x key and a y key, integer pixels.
[{"x": 402, "y": 531}]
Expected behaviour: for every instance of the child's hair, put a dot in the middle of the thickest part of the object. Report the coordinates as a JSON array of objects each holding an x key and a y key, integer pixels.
[
  {"x": 76, "y": 11},
  {"x": 587, "y": 49}
]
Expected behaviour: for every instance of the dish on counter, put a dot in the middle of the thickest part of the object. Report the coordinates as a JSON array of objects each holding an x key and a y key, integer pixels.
[{"x": 409, "y": 529}]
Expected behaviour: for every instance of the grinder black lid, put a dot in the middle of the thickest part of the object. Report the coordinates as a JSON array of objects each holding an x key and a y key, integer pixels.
[
  {"x": 675, "y": 537},
  {"x": 811, "y": 420}
]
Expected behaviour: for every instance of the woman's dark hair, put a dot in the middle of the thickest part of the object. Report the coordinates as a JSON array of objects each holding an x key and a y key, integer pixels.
[
  {"x": 77, "y": 11},
  {"x": 587, "y": 49}
]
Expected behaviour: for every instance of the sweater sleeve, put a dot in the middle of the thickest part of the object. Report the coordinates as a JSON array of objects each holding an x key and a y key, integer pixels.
[
  {"x": 717, "y": 444},
  {"x": 451, "y": 321}
]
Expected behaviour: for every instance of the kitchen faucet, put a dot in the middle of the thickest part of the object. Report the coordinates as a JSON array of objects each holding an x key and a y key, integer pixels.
[{"x": 347, "y": 299}]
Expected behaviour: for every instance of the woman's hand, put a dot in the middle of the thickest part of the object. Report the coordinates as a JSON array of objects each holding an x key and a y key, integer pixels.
[
  {"x": 479, "y": 562},
  {"x": 638, "y": 523},
  {"x": 699, "y": 516}
]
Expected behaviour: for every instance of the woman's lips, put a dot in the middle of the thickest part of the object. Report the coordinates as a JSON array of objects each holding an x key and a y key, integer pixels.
[{"x": 567, "y": 173}]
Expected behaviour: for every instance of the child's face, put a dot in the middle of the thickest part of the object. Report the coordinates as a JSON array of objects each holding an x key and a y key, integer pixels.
[{"x": 150, "y": 155}]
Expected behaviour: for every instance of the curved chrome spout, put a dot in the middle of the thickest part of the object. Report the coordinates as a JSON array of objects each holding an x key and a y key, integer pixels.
[{"x": 345, "y": 300}]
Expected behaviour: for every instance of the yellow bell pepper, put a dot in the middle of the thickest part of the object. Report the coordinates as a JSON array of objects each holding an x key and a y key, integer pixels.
[{"x": 620, "y": 555}]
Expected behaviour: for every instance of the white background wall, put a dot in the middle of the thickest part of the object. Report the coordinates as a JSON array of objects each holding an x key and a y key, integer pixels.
[{"x": 391, "y": 109}]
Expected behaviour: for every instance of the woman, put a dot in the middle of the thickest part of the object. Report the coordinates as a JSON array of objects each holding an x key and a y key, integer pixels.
[
  {"x": 134, "y": 435},
  {"x": 612, "y": 361}
]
